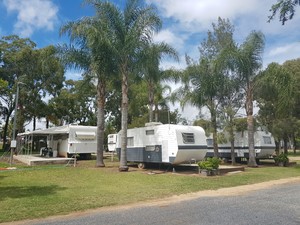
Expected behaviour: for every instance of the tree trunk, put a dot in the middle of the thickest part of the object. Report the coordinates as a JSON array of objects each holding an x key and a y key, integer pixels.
[
  {"x": 231, "y": 137},
  {"x": 215, "y": 130},
  {"x": 285, "y": 145},
  {"x": 250, "y": 125},
  {"x": 156, "y": 113},
  {"x": 34, "y": 123},
  {"x": 151, "y": 101},
  {"x": 100, "y": 122},
  {"x": 5, "y": 145},
  {"x": 47, "y": 123},
  {"x": 277, "y": 147},
  {"x": 123, "y": 155}
]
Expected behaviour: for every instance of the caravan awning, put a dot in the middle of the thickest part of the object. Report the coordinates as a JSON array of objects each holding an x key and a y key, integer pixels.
[{"x": 52, "y": 130}]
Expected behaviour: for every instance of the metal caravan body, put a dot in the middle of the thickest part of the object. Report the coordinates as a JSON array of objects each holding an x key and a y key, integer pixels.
[
  {"x": 164, "y": 143},
  {"x": 112, "y": 142},
  {"x": 65, "y": 140},
  {"x": 264, "y": 146}
]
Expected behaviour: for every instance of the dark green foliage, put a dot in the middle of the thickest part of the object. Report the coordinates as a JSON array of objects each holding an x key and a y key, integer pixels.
[
  {"x": 285, "y": 9},
  {"x": 282, "y": 158},
  {"x": 209, "y": 163}
]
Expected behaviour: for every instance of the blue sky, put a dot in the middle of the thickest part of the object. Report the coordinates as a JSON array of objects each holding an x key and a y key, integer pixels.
[{"x": 185, "y": 24}]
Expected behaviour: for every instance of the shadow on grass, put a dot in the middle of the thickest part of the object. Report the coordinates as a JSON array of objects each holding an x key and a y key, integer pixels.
[
  {"x": 27, "y": 192},
  {"x": 2, "y": 177}
]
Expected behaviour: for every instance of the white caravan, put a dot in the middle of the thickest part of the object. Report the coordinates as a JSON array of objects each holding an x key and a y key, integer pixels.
[
  {"x": 264, "y": 146},
  {"x": 63, "y": 141},
  {"x": 164, "y": 143}
]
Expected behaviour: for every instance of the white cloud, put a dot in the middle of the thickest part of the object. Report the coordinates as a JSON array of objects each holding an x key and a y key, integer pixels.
[
  {"x": 169, "y": 37},
  {"x": 199, "y": 14},
  {"x": 282, "y": 53},
  {"x": 32, "y": 15}
]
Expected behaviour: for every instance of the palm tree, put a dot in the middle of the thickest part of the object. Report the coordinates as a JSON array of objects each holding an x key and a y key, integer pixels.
[
  {"x": 132, "y": 29},
  {"x": 249, "y": 61},
  {"x": 204, "y": 81},
  {"x": 94, "y": 55},
  {"x": 152, "y": 74}
]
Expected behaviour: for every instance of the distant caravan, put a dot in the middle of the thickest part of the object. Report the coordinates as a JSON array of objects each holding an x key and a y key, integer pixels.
[
  {"x": 165, "y": 144},
  {"x": 264, "y": 146}
]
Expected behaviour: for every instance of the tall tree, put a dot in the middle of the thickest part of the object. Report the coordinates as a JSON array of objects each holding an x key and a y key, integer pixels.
[
  {"x": 94, "y": 54},
  {"x": 204, "y": 82},
  {"x": 37, "y": 73},
  {"x": 132, "y": 28},
  {"x": 249, "y": 62},
  {"x": 75, "y": 103},
  {"x": 275, "y": 94},
  {"x": 151, "y": 58}
]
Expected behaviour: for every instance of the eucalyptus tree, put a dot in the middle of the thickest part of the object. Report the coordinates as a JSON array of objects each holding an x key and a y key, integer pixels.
[
  {"x": 275, "y": 97},
  {"x": 132, "y": 28},
  {"x": 13, "y": 67},
  {"x": 249, "y": 62},
  {"x": 285, "y": 9},
  {"x": 37, "y": 73},
  {"x": 151, "y": 58},
  {"x": 293, "y": 68},
  {"x": 204, "y": 81},
  {"x": 44, "y": 80},
  {"x": 75, "y": 103},
  {"x": 93, "y": 53}
]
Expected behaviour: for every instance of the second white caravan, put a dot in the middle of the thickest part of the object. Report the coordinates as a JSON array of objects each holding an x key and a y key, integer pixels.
[
  {"x": 264, "y": 145},
  {"x": 164, "y": 143}
]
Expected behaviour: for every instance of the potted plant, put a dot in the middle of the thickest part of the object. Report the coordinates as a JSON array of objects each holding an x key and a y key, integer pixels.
[
  {"x": 281, "y": 159},
  {"x": 209, "y": 166}
]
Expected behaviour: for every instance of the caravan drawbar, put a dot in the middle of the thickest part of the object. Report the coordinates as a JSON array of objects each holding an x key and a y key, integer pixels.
[{"x": 164, "y": 143}]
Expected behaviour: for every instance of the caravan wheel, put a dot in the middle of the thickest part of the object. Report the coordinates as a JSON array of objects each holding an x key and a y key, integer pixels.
[{"x": 141, "y": 165}]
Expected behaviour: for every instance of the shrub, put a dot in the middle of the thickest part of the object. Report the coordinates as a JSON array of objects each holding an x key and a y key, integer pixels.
[
  {"x": 281, "y": 158},
  {"x": 209, "y": 163}
]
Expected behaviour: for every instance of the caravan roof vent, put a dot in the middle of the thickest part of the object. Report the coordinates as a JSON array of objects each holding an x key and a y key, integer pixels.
[{"x": 152, "y": 124}]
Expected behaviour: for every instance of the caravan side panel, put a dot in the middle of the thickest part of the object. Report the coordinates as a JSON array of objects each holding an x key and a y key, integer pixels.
[
  {"x": 192, "y": 145},
  {"x": 264, "y": 145},
  {"x": 82, "y": 139}
]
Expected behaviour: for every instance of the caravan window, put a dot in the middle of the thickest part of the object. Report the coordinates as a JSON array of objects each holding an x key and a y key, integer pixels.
[
  {"x": 150, "y": 148},
  {"x": 149, "y": 132},
  {"x": 267, "y": 140},
  {"x": 85, "y": 135},
  {"x": 188, "y": 138},
  {"x": 130, "y": 141}
]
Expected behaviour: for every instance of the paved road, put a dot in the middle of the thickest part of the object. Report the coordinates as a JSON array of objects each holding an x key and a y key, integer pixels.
[{"x": 279, "y": 204}]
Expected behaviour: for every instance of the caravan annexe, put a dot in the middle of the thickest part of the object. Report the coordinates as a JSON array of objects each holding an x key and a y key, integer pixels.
[
  {"x": 164, "y": 143},
  {"x": 65, "y": 140}
]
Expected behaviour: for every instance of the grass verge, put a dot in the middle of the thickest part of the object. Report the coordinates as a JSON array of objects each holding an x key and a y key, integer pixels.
[{"x": 36, "y": 192}]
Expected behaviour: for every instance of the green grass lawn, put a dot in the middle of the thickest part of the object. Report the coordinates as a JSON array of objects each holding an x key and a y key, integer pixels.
[{"x": 34, "y": 192}]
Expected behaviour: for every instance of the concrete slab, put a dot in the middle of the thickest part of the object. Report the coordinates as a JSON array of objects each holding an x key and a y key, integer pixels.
[
  {"x": 32, "y": 160},
  {"x": 223, "y": 169}
]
